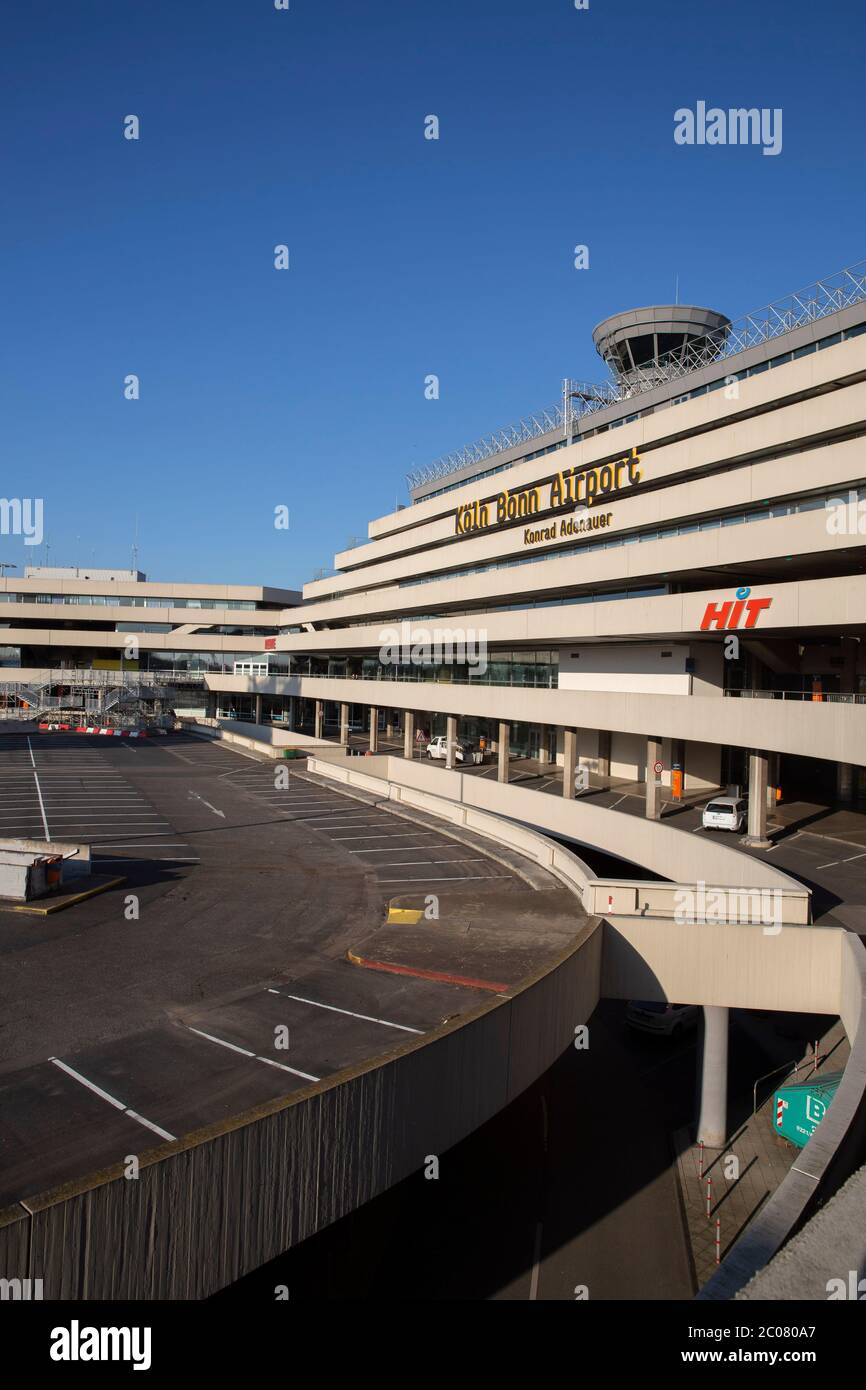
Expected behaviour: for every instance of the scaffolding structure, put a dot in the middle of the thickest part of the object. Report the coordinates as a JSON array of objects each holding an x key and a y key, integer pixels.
[{"x": 113, "y": 699}]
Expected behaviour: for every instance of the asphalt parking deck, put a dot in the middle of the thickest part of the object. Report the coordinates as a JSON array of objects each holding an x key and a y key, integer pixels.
[
  {"x": 73, "y": 791},
  {"x": 403, "y": 854},
  {"x": 230, "y": 983}
]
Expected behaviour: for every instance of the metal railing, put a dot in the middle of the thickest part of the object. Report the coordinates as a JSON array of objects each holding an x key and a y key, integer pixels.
[
  {"x": 826, "y": 697},
  {"x": 416, "y": 675},
  {"x": 803, "y": 307},
  {"x": 86, "y": 677}
]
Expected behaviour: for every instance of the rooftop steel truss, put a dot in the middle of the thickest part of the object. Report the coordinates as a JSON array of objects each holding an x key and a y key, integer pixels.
[{"x": 827, "y": 296}]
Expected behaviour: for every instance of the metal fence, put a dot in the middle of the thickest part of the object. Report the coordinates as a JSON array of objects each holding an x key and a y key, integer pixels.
[{"x": 822, "y": 697}]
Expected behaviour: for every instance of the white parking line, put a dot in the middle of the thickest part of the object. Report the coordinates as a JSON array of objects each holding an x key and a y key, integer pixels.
[
  {"x": 118, "y": 1104},
  {"x": 339, "y": 821},
  {"x": 143, "y": 844},
  {"x": 246, "y": 1053},
  {"x": 478, "y": 859},
  {"x": 406, "y": 848},
  {"x": 368, "y": 1018},
  {"x": 39, "y": 792},
  {"x": 87, "y": 803},
  {"x": 457, "y": 878},
  {"x": 109, "y": 820},
  {"x": 151, "y": 859},
  {"x": 121, "y": 814},
  {"x": 193, "y": 762},
  {"x": 400, "y": 835}
]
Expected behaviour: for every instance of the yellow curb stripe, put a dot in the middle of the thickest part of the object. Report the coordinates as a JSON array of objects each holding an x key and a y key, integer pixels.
[{"x": 67, "y": 902}]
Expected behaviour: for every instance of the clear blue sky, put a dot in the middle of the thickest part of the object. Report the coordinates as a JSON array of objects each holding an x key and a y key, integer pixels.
[{"x": 408, "y": 256}]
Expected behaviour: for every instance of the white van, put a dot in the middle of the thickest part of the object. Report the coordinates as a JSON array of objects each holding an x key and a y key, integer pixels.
[
  {"x": 725, "y": 813},
  {"x": 438, "y": 748}
]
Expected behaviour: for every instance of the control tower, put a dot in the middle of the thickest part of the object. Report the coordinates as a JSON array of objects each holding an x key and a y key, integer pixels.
[{"x": 632, "y": 342}]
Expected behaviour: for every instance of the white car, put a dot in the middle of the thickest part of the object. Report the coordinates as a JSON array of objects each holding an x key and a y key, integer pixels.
[
  {"x": 438, "y": 748},
  {"x": 671, "y": 1020},
  {"x": 725, "y": 813}
]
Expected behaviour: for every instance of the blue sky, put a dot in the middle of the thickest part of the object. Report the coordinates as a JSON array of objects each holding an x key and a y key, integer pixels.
[{"x": 408, "y": 256}]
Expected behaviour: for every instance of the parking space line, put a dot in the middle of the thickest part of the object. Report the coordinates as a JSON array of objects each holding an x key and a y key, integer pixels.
[
  {"x": 39, "y": 791},
  {"x": 143, "y": 844},
  {"x": 406, "y": 848},
  {"x": 338, "y": 819},
  {"x": 368, "y": 1018},
  {"x": 112, "y": 1100},
  {"x": 409, "y": 863},
  {"x": 109, "y": 820},
  {"x": 269, "y": 1061},
  {"x": 151, "y": 859},
  {"x": 457, "y": 878},
  {"x": 400, "y": 835}
]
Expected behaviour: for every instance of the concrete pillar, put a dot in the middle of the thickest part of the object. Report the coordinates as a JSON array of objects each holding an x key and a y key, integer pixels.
[
  {"x": 543, "y": 749},
  {"x": 845, "y": 784},
  {"x": 653, "y": 779},
  {"x": 604, "y": 754},
  {"x": 211, "y": 706},
  {"x": 319, "y": 719},
  {"x": 450, "y": 741},
  {"x": 374, "y": 729},
  {"x": 408, "y": 733},
  {"x": 502, "y": 745},
  {"x": 389, "y": 724},
  {"x": 713, "y": 1119},
  {"x": 844, "y": 781},
  {"x": 257, "y": 712},
  {"x": 344, "y": 724},
  {"x": 850, "y": 655},
  {"x": 569, "y": 762},
  {"x": 757, "y": 834}
]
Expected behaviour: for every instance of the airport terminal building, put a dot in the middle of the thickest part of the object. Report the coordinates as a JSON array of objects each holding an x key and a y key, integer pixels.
[{"x": 661, "y": 580}]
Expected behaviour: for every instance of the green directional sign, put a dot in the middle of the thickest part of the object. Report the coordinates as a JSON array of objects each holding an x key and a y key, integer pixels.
[{"x": 798, "y": 1109}]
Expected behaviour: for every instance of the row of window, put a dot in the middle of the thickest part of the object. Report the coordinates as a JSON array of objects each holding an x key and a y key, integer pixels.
[
  {"x": 130, "y": 601},
  {"x": 536, "y": 668}
]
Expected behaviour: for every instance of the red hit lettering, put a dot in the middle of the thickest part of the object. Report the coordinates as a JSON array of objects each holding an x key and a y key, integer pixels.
[
  {"x": 717, "y": 616},
  {"x": 754, "y": 607},
  {"x": 736, "y": 613}
]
